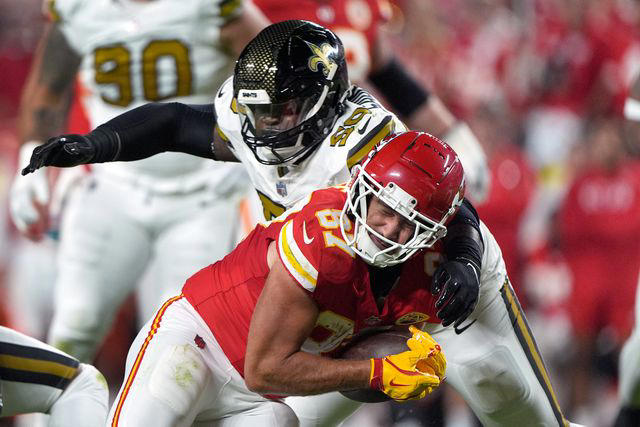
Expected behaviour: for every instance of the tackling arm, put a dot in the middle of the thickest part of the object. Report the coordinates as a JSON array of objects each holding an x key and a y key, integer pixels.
[
  {"x": 137, "y": 134},
  {"x": 457, "y": 281}
]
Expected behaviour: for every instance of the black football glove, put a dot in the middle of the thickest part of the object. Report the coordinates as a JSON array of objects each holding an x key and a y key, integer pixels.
[
  {"x": 457, "y": 284},
  {"x": 62, "y": 151}
]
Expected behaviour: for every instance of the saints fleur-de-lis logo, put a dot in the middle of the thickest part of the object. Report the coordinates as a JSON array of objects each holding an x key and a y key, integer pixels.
[{"x": 320, "y": 56}]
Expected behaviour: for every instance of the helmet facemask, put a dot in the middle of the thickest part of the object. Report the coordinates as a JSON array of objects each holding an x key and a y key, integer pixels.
[
  {"x": 283, "y": 132},
  {"x": 426, "y": 231}
]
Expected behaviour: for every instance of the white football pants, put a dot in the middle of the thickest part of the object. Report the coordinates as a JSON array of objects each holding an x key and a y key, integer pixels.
[
  {"x": 177, "y": 375},
  {"x": 110, "y": 232},
  {"x": 39, "y": 378},
  {"x": 495, "y": 364}
]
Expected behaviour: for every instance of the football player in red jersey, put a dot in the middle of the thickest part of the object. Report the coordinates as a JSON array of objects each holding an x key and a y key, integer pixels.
[
  {"x": 267, "y": 318},
  {"x": 359, "y": 24}
]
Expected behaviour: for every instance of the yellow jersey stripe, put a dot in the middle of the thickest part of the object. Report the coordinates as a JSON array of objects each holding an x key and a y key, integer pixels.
[
  {"x": 54, "y": 15},
  {"x": 221, "y": 134},
  {"x": 37, "y": 366},
  {"x": 294, "y": 260},
  {"x": 229, "y": 7},
  {"x": 376, "y": 135}
]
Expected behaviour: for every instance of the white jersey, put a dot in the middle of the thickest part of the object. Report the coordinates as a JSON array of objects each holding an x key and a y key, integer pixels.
[
  {"x": 363, "y": 124},
  {"x": 139, "y": 52}
]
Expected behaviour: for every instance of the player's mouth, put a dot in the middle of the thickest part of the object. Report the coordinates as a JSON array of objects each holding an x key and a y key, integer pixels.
[{"x": 381, "y": 244}]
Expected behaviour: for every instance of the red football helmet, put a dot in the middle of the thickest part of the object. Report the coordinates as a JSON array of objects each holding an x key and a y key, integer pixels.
[{"x": 415, "y": 174}]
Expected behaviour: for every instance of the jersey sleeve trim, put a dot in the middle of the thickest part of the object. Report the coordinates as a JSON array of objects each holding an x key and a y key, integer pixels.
[
  {"x": 230, "y": 8},
  {"x": 221, "y": 134},
  {"x": 36, "y": 365},
  {"x": 294, "y": 260},
  {"x": 376, "y": 135},
  {"x": 51, "y": 11}
]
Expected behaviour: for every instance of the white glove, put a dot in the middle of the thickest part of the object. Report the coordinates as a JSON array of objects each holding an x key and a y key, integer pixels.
[
  {"x": 473, "y": 159},
  {"x": 29, "y": 197}
]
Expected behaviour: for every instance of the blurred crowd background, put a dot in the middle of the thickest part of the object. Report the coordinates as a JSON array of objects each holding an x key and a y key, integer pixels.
[{"x": 542, "y": 84}]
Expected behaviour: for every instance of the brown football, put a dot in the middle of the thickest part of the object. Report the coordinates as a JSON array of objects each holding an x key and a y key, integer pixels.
[{"x": 374, "y": 345}]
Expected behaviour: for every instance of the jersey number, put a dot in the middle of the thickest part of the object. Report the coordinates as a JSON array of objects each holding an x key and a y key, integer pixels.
[
  {"x": 113, "y": 66},
  {"x": 341, "y": 135},
  {"x": 330, "y": 219}
]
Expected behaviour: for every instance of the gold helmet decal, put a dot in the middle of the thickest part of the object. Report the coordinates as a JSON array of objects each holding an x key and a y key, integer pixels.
[{"x": 320, "y": 56}]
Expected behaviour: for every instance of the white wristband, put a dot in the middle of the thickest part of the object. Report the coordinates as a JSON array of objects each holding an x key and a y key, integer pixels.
[
  {"x": 24, "y": 156},
  {"x": 632, "y": 109}
]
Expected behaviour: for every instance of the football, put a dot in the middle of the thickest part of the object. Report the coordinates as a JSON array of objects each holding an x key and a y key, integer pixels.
[{"x": 374, "y": 345}]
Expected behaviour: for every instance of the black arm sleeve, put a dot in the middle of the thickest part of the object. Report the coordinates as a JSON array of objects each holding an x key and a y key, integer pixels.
[
  {"x": 404, "y": 93},
  {"x": 463, "y": 239},
  {"x": 154, "y": 128}
]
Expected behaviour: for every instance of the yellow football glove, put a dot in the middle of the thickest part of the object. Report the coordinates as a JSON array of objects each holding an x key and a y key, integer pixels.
[
  {"x": 398, "y": 376},
  {"x": 435, "y": 362}
]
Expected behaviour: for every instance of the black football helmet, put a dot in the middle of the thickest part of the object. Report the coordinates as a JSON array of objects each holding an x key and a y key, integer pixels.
[{"x": 290, "y": 83}]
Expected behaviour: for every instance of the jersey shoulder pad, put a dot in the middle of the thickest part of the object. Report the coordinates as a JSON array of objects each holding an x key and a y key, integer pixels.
[
  {"x": 310, "y": 243},
  {"x": 365, "y": 123},
  {"x": 63, "y": 10},
  {"x": 224, "y": 107}
]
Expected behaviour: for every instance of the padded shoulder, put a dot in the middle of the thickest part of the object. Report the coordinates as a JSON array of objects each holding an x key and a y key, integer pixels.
[{"x": 63, "y": 10}]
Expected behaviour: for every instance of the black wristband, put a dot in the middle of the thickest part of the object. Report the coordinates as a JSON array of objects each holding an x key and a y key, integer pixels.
[
  {"x": 464, "y": 240},
  {"x": 404, "y": 93},
  {"x": 106, "y": 143}
]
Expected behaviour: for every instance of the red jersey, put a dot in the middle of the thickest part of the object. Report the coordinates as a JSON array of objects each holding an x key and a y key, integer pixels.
[
  {"x": 599, "y": 228},
  {"x": 356, "y": 22},
  {"x": 512, "y": 186},
  {"x": 310, "y": 246}
]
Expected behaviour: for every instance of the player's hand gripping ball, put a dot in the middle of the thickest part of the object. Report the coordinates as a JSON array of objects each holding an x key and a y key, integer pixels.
[{"x": 397, "y": 373}]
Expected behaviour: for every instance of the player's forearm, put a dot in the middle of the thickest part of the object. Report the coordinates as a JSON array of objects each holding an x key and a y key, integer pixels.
[
  {"x": 463, "y": 239},
  {"x": 47, "y": 92},
  {"x": 155, "y": 128},
  {"x": 41, "y": 115},
  {"x": 303, "y": 374}
]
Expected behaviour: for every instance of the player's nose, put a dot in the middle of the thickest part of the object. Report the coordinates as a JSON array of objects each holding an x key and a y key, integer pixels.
[{"x": 392, "y": 228}]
